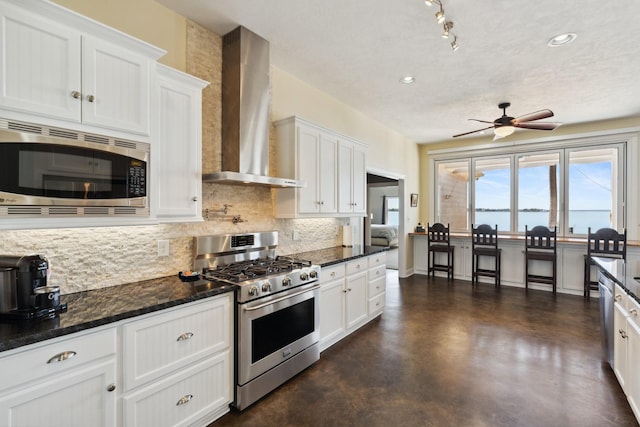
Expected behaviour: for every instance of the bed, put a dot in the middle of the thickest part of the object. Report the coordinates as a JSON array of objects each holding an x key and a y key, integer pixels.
[{"x": 384, "y": 235}]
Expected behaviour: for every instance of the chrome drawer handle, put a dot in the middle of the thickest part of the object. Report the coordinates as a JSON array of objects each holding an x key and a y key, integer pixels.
[
  {"x": 76, "y": 94},
  {"x": 61, "y": 357},
  {"x": 184, "y": 399},
  {"x": 333, "y": 274},
  {"x": 623, "y": 334},
  {"x": 633, "y": 311},
  {"x": 111, "y": 387},
  {"x": 618, "y": 297},
  {"x": 185, "y": 336},
  {"x": 91, "y": 98}
]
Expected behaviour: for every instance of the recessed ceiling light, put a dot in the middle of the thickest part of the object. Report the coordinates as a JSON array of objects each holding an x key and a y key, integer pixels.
[
  {"x": 407, "y": 80},
  {"x": 561, "y": 39}
]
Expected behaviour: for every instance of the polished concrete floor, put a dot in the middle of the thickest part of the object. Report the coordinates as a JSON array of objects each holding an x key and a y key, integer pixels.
[{"x": 446, "y": 354}]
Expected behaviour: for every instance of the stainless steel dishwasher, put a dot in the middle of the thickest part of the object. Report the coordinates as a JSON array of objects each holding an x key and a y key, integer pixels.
[{"x": 606, "y": 287}]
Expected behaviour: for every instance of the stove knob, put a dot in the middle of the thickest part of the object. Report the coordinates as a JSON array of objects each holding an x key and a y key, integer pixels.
[
  {"x": 253, "y": 291},
  {"x": 304, "y": 276},
  {"x": 313, "y": 274},
  {"x": 266, "y": 287},
  {"x": 286, "y": 281}
]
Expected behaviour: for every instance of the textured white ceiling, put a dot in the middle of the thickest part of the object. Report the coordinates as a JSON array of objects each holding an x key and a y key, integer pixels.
[{"x": 357, "y": 51}]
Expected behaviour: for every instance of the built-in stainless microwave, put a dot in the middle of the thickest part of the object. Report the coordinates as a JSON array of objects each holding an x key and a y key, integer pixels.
[{"x": 52, "y": 171}]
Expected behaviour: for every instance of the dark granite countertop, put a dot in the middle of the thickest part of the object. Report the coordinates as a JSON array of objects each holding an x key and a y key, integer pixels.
[
  {"x": 616, "y": 270},
  {"x": 338, "y": 254},
  {"x": 98, "y": 307}
]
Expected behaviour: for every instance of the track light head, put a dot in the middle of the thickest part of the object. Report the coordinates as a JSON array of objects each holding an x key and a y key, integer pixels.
[
  {"x": 454, "y": 44},
  {"x": 447, "y": 28},
  {"x": 440, "y": 15}
]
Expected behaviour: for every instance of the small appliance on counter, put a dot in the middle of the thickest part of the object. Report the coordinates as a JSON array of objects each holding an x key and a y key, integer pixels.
[
  {"x": 420, "y": 228},
  {"x": 24, "y": 293}
]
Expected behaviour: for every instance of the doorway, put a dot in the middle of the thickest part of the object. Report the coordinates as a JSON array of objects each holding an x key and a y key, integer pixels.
[{"x": 385, "y": 213}]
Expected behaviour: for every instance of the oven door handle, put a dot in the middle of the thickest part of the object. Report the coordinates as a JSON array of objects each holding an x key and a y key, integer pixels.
[{"x": 257, "y": 307}]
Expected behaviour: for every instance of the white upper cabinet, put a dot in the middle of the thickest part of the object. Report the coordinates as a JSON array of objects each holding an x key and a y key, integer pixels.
[
  {"x": 332, "y": 166},
  {"x": 61, "y": 66},
  {"x": 351, "y": 178},
  {"x": 178, "y": 146}
]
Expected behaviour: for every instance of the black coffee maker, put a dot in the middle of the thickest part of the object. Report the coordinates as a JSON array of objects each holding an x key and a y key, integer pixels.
[{"x": 24, "y": 293}]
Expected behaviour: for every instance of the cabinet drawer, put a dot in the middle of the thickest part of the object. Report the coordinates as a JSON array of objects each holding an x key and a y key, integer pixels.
[
  {"x": 328, "y": 274},
  {"x": 55, "y": 356},
  {"x": 377, "y": 272},
  {"x": 356, "y": 266},
  {"x": 376, "y": 304},
  {"x": 182, "y": 399},
  {"x": 377, "y": 259},
  {"x": 162, "y": 343},
  {"x": 620, "y": 296},
  {"x": 377, "y": 286},
  {"x": 634, "y": 310}
]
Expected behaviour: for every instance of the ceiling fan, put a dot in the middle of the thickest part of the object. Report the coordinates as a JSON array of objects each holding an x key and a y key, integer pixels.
[{"x": 505, "y": 125}]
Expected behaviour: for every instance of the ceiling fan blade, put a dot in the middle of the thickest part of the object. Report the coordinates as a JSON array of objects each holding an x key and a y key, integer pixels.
[
  {"x": 481, "y": 121},
  {"x": 537, "y": 115},
  {"x": 537, "y": 126},
  {"x": 473, "y": 131}
]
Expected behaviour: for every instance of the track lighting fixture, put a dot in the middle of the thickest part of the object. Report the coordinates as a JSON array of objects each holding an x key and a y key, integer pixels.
[
  {"x": 447, "y": 25},
  {"x": 454, "y": 44},
  {"x": 440, "y": 15}
]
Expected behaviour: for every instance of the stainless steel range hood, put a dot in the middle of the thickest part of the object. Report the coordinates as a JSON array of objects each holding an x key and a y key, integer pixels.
[{"x": 246, "y": 100}]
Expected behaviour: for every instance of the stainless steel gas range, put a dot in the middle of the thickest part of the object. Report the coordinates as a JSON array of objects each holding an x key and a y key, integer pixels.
[{"x": 277, "y": 308}]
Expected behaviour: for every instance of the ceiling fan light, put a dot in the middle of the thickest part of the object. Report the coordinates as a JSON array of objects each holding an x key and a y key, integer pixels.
[{"x": 502, "y": 131}]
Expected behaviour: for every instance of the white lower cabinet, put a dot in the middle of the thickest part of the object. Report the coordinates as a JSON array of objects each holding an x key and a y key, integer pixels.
[
  {"x": 68, "y": 381},
  {"x": 351, "y": 294},
  {"x": 173, "y": 367},
  {"x": 177, "y": 364},
  {"x": 626, "y": 348}
]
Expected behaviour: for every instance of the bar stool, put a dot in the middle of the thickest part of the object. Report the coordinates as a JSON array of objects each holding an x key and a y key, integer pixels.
[
  {"x": 438, "y": 241},
  {"x": 540, "y": 245},
  {"x": 484, "y": 243},
  {"x": 607, "y": 243}
]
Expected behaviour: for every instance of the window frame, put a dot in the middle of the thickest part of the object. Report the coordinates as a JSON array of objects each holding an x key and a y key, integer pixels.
[{"x": 626, "y": 144}]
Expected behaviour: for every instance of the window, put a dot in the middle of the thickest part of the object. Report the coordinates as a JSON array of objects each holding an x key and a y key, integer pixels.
[
  {"x": 493, "y": 192},
  {"x": 452, "y": 193},
  {"x": 391, "y": 210},
  {"x": 538, "y": 190},
  {"x": 574, "y": 186}
]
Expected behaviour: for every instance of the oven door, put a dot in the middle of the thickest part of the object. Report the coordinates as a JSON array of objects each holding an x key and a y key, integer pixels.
[{"x": 273, "y": 329}]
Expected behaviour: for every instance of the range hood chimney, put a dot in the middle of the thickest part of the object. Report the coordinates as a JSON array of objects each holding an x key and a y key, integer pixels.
[{"x": 245, "y": 112}]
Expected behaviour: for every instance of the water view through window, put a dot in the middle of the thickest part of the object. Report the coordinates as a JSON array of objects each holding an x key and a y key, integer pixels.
[{"x": 573, "y": 189}]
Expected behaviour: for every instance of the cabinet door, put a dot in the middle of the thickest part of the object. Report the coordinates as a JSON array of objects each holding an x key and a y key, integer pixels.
[
  {"x": 178, "y": 151},
  {"x": 328, "y": 173},
  {"x": 40, "y": 63},
  {"x": 633, "y": 374},
  {"x": 115, "y": 87},
  {"x": 332, "y": 311},
  {"x": 357, "y": 303},
  {"x": 359, "y": 192},
  {"x": 78, "y": 398},
  {"x": 620, "y": 345},
  {"x": 308, "y": 142},
  {"x": 345, "y": 173}
]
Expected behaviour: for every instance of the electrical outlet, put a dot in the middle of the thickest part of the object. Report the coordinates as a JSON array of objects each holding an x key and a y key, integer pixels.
[
  {"x": 163, "y": 248},
  {"x": 295, "y": 235}
]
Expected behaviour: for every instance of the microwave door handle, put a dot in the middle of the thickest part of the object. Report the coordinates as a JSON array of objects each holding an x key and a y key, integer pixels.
[{"x": 257, "y": 307}]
